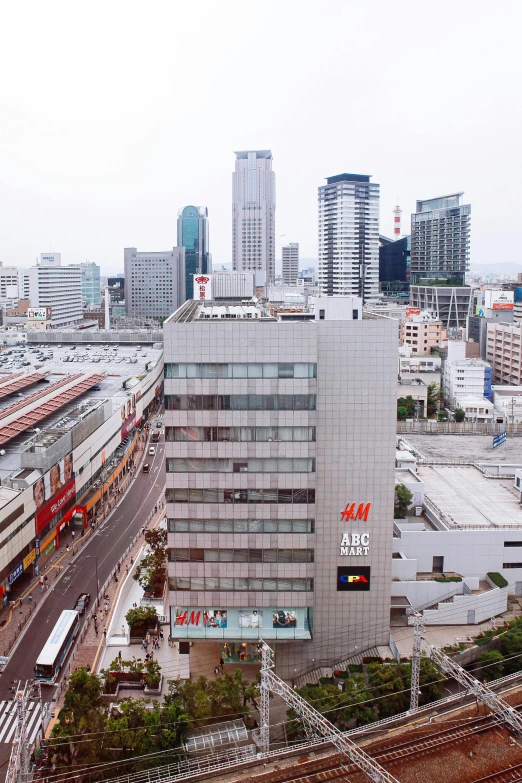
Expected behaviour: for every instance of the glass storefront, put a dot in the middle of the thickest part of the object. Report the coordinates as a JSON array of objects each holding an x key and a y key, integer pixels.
[{"x": 214, "y": 623}]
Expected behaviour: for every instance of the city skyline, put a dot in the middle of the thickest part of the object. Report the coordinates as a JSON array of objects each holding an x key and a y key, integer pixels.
[{"x": 90, "y": 182}]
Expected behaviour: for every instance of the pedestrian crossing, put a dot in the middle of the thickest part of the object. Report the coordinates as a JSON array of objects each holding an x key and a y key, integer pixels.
[{"x": 9, "y": 720}]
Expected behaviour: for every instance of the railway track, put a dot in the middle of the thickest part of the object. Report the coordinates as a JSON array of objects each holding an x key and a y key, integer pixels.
[
  {"x": 511, "y": 775},
  {"x": 332, "y": 767}
]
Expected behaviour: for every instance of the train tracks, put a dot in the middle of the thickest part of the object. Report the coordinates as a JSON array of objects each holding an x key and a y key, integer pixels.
[{"x": 511, "y": 775}]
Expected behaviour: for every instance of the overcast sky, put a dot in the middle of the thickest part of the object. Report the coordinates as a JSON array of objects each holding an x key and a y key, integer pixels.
[{"x": 114, "y": 114}]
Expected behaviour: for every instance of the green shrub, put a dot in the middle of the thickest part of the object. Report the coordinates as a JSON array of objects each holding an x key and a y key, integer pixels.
[
  {"x": 497, "y": 579},
  {"x": 355, "y": 668},
  {"x": 326, "y": 681},
  {"x": 448, "y": 579}
]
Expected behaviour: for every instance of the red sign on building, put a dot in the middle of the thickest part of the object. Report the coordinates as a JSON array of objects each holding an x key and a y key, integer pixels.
[
  {"x": 54, "y": 505},
  {"x": 350, "y": 512}
]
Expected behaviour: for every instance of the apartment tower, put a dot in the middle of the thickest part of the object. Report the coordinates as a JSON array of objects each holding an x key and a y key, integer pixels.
[
  {"x": 440, "y": 236},
  {"x": 349, "y": 237},
  {"x": 291, "y": 263}
]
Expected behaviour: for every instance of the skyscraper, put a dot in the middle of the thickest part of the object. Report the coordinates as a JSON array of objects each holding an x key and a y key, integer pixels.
[
  {"x": 193, "y": 236},
  {"x": 91, "y": 290},
  {"x": 253, "y": 213},
  {"x": 349, "y": 236},
  {"x": 440, "y": 230},
  {"x": 154, "y": 282},
  {"x": 290, "y": 263}
]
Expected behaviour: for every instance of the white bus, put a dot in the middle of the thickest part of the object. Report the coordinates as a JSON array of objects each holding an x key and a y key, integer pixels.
[{"x": 54, "y": 653}]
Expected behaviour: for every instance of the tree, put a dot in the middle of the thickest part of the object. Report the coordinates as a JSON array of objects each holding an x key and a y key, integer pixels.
[
  {"x": 141, "y": 618},
  {"x": 511, "y": 647},
  {"x": 342, "y": 708},
  {"x": 151, "y": 571},
  {"x": 204, "y": 699},
  {"x": 492, "y": 662},
  {"x": 408, "y": 403},
  {"x": 441, "y": 416},
  {"x": 83, "y": 712},
  {"x": 402, "y": 413},
  {"x": 433, "y": 399},
  {"x": 403, "y": 498},
  {"x": 459, "y": 414},
  {"x": 392, "y": 683}
]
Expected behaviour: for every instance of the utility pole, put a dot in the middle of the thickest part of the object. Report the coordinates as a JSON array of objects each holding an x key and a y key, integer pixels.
[
  {"x": 18, "y": 769},
  {"x": 418, "y": 628}
]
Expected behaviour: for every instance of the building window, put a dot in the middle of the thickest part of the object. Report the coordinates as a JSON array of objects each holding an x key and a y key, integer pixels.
[
  {"x": 240, "y": 434},
  {"x": 241, "y": 555},
  {"x": 512, "y": 543},
  {"x": 264, "y": 496},
  {"x": 252, "y": 465},
  {"x": 240, "y": 402},
  {"x": 240, "y": 584},
  {"x": 512, "y": 565},
  {"x": 241, "y": 526},
  {"x": 236, "y": 370}
]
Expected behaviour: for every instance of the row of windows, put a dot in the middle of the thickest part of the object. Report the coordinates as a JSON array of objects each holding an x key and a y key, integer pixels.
[
  {"x": 514, "y": 543},
  {"x": 241, "y": 525},
  {"x": 240, "y": 584},
  {"x": 241, "y": 555},
  {"x": 236, "y": 465},
  {"x": 240, "y": 402},
  {"x": 236, "y": 370},
  {"x": 512, "y": 565},
  {"x": 209, "y": 495},
  {"x": 240, "y": 434}
]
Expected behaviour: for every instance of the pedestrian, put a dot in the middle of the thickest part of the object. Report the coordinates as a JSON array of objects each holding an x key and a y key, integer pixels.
[
  {"x": 123, "y": 630},
  {"x": 41, "y": 583},
  {"x": 169, "y": 639},
  {"x": 105, "y": 633},
  {"x": 30, "y": 597},
  {"x": 101, "y": 614},
  {"x": 106, "y": 607},
  {"x": 119, "y": 566},
  {"x": 119, "y": 655},
  {"x": 132, "y": 560},
  {"x": 127, "y": 568},
  {"x": 221, "y": 663},
  {"x": 216, "y": 670},
  {"x": 72, "y": 534},
  {"x": 148, "y": 637},
  {"x": 115, "y": 576},
  {"x": 46, "y": 581},
  {"x": 96, "y": 630},
  {"x": 67, "y": 548},
  {"x": 162, "y": 636}
]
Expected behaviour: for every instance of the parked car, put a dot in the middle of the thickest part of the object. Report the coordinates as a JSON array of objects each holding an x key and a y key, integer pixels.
[{"x": 82, "y": 602}]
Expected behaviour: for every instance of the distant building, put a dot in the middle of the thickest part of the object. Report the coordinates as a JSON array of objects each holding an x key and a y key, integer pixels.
[
  {"x": 349, "y": 237},
  {"x": 503, "y": 352},
  {"x": 233, "y": 285},
  {"x": 253, "y": 213},
  {"x": 9, "y": 286},
  {"x": 57, "y": 289},
  {"x": 193, "y": 236},
  {"x": 116, "y": 287},
  {"x": 451, "y": 304},
  {"x": 440, "y": 237},
  {"x": 51, "y": 259},
  {"x": 155, "y": 283},
  {"x": 463, "y": 378},
  {"x": 422, "y": 336},
  {"x": 394, "y": 264},
  {"x": 91, "y": 283},
  {"x": 290, "y": 263}
]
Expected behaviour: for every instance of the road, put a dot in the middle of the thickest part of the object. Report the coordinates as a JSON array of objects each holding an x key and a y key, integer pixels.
[{"x": 107, "y": 546}]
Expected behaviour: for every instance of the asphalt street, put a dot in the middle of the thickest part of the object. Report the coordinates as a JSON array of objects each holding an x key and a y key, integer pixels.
[{"x": 103, "y": 550}]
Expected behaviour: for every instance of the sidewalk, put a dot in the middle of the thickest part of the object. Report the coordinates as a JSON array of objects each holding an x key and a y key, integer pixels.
[{"x": 13, "y": 619}]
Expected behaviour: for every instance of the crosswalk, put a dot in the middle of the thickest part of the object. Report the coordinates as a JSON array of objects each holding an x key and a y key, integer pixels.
[{"x": 9, "y": 720}]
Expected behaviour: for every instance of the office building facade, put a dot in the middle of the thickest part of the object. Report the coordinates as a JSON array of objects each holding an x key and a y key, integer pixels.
[
  {"x": 394, "y": 264},
  {"x": 58, "y": 288},
  {"x": 91, "y": 290},
  {"x": 504, "y": 352},
  {"x": 154, "y": 282},
  {"x": 193, "y": 236},
  {"x": 279, "y": 453},
  {"x": 440, "y": 239},
  {"x": 450, "y": 304},
  {"x": 290, "y": 263},
  {"x": 253, "y": 213},
  {"x": 349, "y": 237}
]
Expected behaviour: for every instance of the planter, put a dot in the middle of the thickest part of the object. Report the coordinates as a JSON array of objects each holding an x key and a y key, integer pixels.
[{"x": 154, "y": 691}]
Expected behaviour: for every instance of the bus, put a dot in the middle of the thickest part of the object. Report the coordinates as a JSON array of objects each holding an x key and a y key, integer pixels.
[{"x": 54, "y": 653}]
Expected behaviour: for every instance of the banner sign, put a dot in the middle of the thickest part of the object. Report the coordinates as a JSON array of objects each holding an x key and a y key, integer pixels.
[
  {"x": 498, "y": 440},
  {"x": 48, "y": 510},
  {"x": 353, "y": 578}
]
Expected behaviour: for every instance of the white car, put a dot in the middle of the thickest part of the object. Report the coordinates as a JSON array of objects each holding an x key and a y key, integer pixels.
[{"x": 152, "y": 451}]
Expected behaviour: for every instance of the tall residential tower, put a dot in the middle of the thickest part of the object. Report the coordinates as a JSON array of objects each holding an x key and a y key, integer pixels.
[
  {"x": 193, "y": 236},
  {"x": 253, "y": 213},
  {"x": 349, "y": 236},
  {"x": 290, "y": 263}
]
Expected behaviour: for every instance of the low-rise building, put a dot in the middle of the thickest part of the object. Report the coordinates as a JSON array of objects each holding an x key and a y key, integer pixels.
[
  {"x": 422, "y": 334},
  {"x": 417, "y": 389},
  {"x": 476, "y": 408},
  {"x": 508, "y": 403},
  {"x": 464, "y": 377}
]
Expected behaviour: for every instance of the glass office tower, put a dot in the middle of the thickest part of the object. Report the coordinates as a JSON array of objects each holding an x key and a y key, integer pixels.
[{"x": 193, "y": 236}]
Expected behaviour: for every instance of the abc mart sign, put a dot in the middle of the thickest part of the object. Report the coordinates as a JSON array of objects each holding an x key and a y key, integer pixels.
[{"x": 355, "y": 544}]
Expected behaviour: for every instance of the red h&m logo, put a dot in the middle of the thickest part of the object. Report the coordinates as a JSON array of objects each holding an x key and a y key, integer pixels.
[
  {"x": 186, "y": 619},
  {"x": 350, "y": 512}
]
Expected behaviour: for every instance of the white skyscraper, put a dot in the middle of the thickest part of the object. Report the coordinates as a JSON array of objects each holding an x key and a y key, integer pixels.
[
  {"x": 253, "y": 213},
  {"x": 349, "y": 237},
  {"x": 290, "y": 263}
]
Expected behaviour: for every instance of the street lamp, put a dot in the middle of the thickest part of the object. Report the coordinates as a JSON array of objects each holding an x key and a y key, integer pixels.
[{"x": 95, "y": 558}]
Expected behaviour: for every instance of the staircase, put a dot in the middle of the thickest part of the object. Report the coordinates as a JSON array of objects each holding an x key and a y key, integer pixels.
[{"x": 312, "y": 678}]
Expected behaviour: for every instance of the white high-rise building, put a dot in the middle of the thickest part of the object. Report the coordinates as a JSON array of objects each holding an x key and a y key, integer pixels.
[
  {"x": 253, "y": 213},
  {"x": 58, "y": 287},
  {"x": 154, "y": 282},
  {"x": 9, "y": 288},
  {"x": 349, "y": 237},
  {"x": 290, "y": 263}
]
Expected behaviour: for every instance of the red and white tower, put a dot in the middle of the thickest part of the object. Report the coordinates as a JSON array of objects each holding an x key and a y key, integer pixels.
[{"x": 397, "y": 212}]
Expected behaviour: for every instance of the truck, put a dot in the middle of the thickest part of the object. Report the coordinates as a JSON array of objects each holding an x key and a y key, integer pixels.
[{"x": 155, "y": 437}]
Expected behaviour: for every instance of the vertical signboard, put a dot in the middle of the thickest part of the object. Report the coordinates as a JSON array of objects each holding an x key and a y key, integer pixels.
[{"x": 202, "y": 287}]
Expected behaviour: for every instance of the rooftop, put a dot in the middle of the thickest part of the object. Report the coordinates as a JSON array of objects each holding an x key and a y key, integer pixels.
[{"x": 466, "y": 498}]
